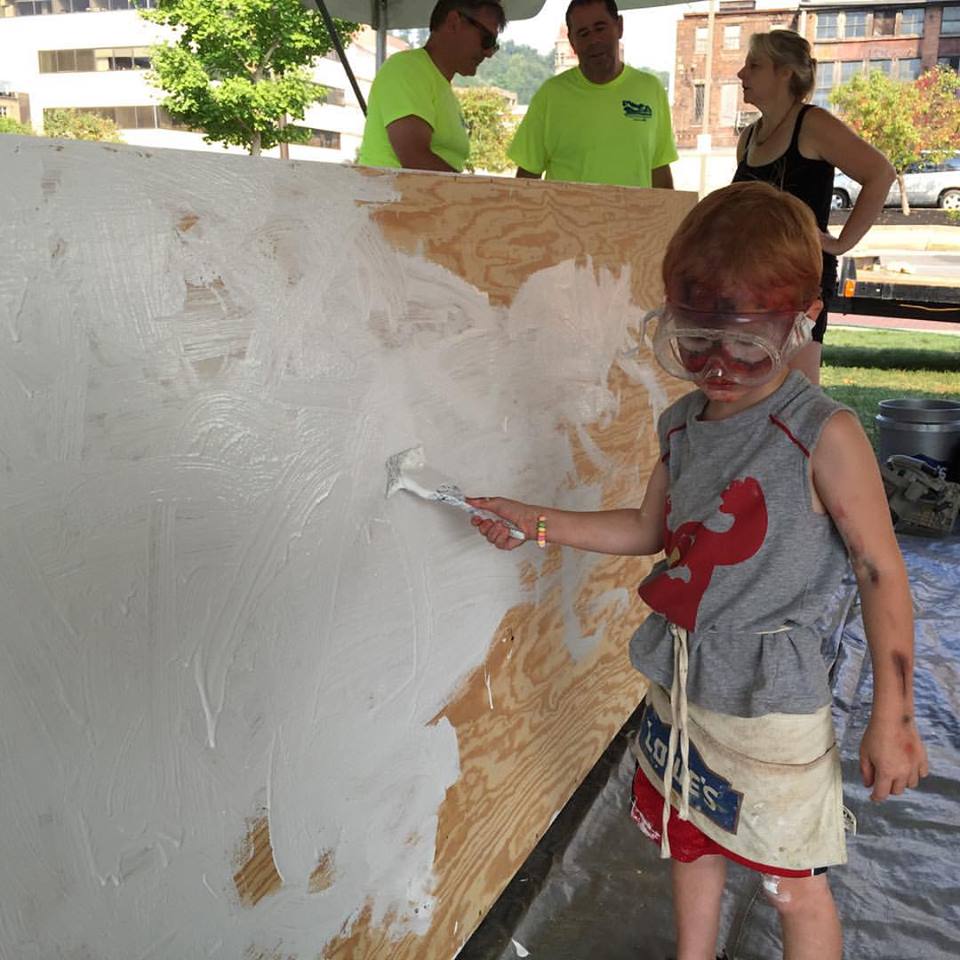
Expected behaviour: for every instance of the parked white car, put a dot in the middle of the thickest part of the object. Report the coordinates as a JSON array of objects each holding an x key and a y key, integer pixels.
[{"x": 928, "y": 185}]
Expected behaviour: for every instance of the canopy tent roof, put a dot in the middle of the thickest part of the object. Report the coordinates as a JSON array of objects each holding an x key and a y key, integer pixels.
[{"x": 404, "y": 14}]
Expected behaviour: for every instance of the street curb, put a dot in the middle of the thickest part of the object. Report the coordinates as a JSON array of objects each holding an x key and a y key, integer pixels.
[{"x": 930, "y": 238}]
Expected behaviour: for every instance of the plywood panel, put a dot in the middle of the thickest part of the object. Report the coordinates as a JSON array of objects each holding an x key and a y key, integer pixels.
[{"x": 250, "y": 707}]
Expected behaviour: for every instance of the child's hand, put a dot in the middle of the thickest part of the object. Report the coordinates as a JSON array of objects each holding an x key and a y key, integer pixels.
[
  {"x": 892, "y": 756},
  {"x": 521, "y": 515}
]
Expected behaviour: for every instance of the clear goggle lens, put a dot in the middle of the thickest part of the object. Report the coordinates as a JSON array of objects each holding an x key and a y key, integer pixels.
[{"x": 714, "y": 347}]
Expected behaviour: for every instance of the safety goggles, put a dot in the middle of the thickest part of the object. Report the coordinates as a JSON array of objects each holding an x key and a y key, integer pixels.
[
  {"x": 488, "y": 39},
  {"x": 741, "y": 348}
]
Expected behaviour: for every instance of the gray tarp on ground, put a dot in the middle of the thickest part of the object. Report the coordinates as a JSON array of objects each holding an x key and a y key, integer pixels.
[{"x": 606, "y": 894}]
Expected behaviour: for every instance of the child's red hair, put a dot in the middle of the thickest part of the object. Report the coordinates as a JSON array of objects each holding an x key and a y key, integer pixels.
[{"x": 746, "y": 237}]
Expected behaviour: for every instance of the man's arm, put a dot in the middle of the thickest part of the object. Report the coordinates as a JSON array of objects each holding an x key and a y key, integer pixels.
[
  {"x": 410, "y": 139},
  {"x": 662, "y": 178},
  {"x": 527, "y": 175}
]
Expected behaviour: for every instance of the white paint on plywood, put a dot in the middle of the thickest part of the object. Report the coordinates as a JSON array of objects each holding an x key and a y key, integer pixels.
[{"x": 209, "y": 607}]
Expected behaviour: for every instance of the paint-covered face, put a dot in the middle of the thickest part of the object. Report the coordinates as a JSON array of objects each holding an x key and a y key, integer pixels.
[
  {"x": 477, "y": 35},
  {"x": 731, "y": 346},
  {"x": 595, "y": 38},
  {"x": 762, "y": 80}
]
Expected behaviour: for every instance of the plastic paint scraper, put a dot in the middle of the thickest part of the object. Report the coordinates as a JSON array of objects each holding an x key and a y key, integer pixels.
[{"x": 408, "y": 471}]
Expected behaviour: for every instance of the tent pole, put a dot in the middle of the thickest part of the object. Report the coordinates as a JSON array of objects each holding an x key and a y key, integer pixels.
[
  {"x": 338, "y": 46},
  {"x": 380, "y": 21}
]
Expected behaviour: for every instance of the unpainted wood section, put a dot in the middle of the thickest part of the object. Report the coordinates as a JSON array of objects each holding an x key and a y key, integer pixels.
[
  {"x": 551, "y": 717},
  {"x": 258, "y": 877},
  {"x": 258, "y": 953},
  {"x": 323, "y": 873},
  {"x": 496, "y": 232}
]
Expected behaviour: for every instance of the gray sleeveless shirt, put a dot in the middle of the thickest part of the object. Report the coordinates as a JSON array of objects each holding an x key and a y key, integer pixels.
[{"x": 749, "y": 563}]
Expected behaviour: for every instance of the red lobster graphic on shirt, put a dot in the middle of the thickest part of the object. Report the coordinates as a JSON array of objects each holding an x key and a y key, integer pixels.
[{"x": 694, "y": 551}]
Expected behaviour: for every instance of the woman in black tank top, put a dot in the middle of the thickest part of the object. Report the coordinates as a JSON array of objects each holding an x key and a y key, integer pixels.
[{"x": 795, "y": 147}]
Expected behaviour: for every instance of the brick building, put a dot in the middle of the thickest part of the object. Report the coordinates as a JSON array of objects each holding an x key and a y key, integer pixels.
[
  {"x": 734, "y": 22},
  {"x": 848, "y": 36},
  {"x": 901, "y": 39}
]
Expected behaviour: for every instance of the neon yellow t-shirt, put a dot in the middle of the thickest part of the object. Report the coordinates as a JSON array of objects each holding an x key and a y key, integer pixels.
[
  {"x": 616, "y": 132},
  {"x": 409, "y": 84}
]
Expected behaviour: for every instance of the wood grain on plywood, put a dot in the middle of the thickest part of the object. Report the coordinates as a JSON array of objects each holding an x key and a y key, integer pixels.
[
  {"x": 495, "y": 232},
  {"x": 531, "y": 721},
  {"x": 258, "y": 877}
]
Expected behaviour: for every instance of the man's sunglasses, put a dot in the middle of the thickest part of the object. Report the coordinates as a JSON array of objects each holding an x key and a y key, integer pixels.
[{"x": 488, "y": 39}]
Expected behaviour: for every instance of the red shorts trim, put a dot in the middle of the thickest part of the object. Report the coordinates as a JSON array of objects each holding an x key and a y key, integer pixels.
[{"x": 687, "y": 842}]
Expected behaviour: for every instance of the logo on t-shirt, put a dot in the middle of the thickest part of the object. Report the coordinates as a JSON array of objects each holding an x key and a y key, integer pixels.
[
  {"x": 636, "y": 111},
  {"x": 694, "y": 550}
]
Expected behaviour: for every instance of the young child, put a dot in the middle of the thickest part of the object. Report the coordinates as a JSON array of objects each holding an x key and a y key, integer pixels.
[{"x": 765, "y": 490}]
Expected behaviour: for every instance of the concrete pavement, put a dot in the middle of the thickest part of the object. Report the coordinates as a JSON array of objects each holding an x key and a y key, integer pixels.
[{"x": 931, "y": 238}]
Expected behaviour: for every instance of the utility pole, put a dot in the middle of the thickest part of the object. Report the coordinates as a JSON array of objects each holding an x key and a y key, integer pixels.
[{"x": 704, "y": 140}]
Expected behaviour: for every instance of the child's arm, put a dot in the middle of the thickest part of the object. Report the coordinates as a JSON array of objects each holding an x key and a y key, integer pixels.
[
  {"x": 848, "y": 483},
  {"x": 627, "y": 532}
]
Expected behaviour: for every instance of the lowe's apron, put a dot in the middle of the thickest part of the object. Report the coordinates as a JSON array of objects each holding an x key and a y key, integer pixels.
[{"x": 768, "y": 789}]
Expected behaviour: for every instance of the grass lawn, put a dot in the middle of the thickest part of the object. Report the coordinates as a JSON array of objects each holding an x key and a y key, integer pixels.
[{"x": 862, "y": 367}]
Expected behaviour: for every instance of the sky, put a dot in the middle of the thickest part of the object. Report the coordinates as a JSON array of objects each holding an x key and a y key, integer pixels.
[{"x": 649, "y": 36}]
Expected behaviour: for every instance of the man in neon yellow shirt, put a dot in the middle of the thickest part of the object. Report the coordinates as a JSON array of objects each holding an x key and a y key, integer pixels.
[
  {"x": 600, "y": 122},
  {"x": 413, "y": 116}
]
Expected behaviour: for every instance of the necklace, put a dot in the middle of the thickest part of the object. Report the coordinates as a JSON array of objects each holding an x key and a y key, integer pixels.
[{"x": 760, "y": 142}]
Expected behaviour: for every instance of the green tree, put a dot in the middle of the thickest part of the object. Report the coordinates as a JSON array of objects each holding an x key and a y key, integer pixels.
[
  {"x": 514, "y": 67},
  {"x": 662, "y": 75},
  {"x": 239, "y": 68},
  {"x": 486, "y": 112},
  {"x": 939, "y": 114},
  {"x": 9, "y": 125},
  {"x": 77, "y": 125},
  {"x": 906, "y": 121}
]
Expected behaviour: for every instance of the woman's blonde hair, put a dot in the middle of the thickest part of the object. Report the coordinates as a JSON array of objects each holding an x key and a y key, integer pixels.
[
  {"x": 788, "y": 49},
  {"x": 749, "y": 237}
]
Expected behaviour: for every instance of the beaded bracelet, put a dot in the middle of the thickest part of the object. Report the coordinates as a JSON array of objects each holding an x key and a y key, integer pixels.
[{"x": 541, "y": 531}]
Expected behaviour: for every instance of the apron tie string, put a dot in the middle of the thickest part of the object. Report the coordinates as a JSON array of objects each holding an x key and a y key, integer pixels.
[{"x": 679, "y": 735}]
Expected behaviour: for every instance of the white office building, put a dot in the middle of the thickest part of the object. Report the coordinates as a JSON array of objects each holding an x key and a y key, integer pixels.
[{"x": 92, "y": 55}]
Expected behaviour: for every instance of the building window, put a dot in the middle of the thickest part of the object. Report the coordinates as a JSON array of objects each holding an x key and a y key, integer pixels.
[
  {"x": 335, "y": 96},
  {"x": 911, "y": 21},
  {"x": 952, "y": 62},
  {"x": 85, "y": 61},
  {"x": 909, "y": 69},
  {"x": 3, "y": 111},
  {"x": 328, "y": 139},
  {"x": 698, "y": 103},
  {"x": 855, "y": 25},
  {"x": 35, "y": 8},
  {"x": 884, "y": 23},
  {"x": 821, "y": 94},
  {"x": 147, "y": 116},
  {"x": 731, "y": 37},
  {"x": 950, "y": 23},
  {"x": 850, "y": 69},
  {"x": 827, "y": 26},
  {"x": 122, "y": 58},
  {"x": 700, "y": 43},
  {"x": 729, "y": 94},
  {"x": 884, "y": 66}
]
